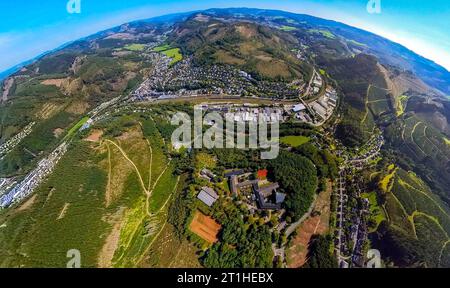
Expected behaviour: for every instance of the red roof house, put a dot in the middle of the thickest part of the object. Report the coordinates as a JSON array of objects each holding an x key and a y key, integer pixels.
[{"x": 262, "y": 174}]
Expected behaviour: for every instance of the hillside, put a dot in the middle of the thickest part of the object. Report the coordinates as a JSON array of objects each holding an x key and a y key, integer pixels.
[
  {"x": 364, "y": 131},
  {"x": 366, "y": 97},
  {"x": 356, "y": 41},
  {"x": 418, "y": 231},
  {"x": 262, "y": 51},
  {"x": 108, "y": 197}
]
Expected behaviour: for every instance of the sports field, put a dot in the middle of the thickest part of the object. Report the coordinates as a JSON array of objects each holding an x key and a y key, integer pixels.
[{"x": 205, "y": 227}]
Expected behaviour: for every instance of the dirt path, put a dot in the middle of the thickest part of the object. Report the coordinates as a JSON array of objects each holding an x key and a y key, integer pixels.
[
  {"x": 442, "y": 251},
  {"x": 112, "y": 241},
  {"x": 151, "y": 158},
  {"x": 366, "y": 105},
  {"x": 432, "y": 218},
  {"x": 294, "y": 225},
  {"x": 432, "y": 143},
  {"x": 150, "y": 166},
  {"x": 426, "y": 195},
  {"x": 405, "y": 213},
  {"x": 110, "y": 246},
  {"x": 297, "y": 252},
  {"x": 141, "y": 180},
  {"x": 108, "y": 185},
  {"x": 148, "y": 192},
  {"x": 27, "y": 204},
  {"x": 406, "y": 143},
  {"x": 412, "y": 137},
  {"x": 168, "y": 199},
  {"x": 150, "y": 245},
  {"x": 161, "y": 229},
  {"x": 63, "y": 211},
  {"x": 174, "y": 258}
]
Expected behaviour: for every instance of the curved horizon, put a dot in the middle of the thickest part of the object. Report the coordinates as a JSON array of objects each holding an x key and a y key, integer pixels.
[{"x": 87, "y": 23}]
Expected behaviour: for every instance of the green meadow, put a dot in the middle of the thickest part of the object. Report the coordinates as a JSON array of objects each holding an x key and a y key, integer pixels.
[{"x": 294, "y": 141}]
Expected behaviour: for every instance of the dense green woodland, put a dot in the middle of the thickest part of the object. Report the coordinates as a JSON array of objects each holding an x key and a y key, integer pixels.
[
  {"x": 412, "y": 228},
  {"x": 319, "y": 255}
]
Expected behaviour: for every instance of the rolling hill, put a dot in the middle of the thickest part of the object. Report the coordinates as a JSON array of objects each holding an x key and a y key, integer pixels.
[
  {"x": 263, "y": 51},
  {"x": 124, "y": 197}
]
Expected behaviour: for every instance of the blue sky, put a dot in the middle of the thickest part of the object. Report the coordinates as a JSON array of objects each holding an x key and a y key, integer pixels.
[{"x": 28, "y": 28}]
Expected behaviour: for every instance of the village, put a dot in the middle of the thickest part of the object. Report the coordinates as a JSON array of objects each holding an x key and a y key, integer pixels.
[
  {"x": 351, "y": 232},
  {"x": 262, "y": 198},
  {"x": 315, "y": 113},
  {"x": 252, "y": 189},
  {"x": 186, "y": 80},
  {"x": 9, "y": 145},
  {"x": 34, "y": 178}
]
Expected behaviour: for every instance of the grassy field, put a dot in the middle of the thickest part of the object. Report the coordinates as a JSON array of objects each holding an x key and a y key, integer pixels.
[
  {"x": 401, "y": 105},
  {"x": 386, "y": 182},
  {"x": 324, "y": 33},
  {"x": 77, "y": 126},
  {"x": 107, "y": 199},
  {"x": 447, "y": 141},
  {"x": 294, "y": 141},
  {"x": 161, "y": 48},
  {"x": 135, "y": 47},
  {"x": 287, "y": 28},
  {"x": 150, "y": 188},
  {"x": 205, "y": 160},
  {"x": 66, "y": 213},
  {"x": 163, "y": 190},
  {"x": 170, "y": 252},
  {"x": 376, "y": 211},
  {"x": 175, "y": 54},
  {"x": 357, "y": 43},
  {"x": 146, "y": 219}
]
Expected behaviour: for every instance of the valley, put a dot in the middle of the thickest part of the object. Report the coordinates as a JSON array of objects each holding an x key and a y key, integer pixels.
[{"x": 87, "y": 162}]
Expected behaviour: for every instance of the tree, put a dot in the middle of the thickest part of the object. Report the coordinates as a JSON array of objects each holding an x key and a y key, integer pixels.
[
  {"x": 319, "y": 253},
  {"x": 350, "y": 134},
  {"x": 298, "y": 178}
]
